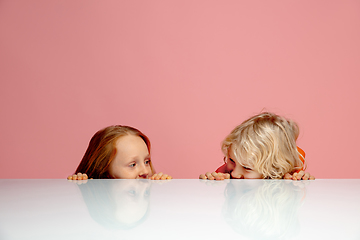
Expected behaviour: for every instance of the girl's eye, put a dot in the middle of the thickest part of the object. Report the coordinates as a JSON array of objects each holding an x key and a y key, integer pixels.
[
  {"x": 131, "y": 193},
  {"x": 247, "y": 168},
  {"x": 147, "y": 162},
  {"x": 132, "y": 165},
  {"x": 231, "y": 160}
]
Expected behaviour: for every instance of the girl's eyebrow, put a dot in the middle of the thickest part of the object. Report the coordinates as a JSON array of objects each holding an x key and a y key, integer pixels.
[
  {"x": 130, "y": 162},
  {"x": 137, "y": 158}
]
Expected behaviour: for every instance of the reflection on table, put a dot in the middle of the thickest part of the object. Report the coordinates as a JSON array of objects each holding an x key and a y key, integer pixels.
[
  {"x": 179, "y": 209},
  {"x": 264, "y": 209},
  {"x": 117, "y": 204}
]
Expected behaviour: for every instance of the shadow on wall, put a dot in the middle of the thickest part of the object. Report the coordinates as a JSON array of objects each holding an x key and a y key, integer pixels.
[{"x": 265, "y": 209}]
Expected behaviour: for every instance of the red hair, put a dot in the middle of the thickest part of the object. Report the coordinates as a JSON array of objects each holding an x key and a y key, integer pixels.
[{"x": 102, "y": 150}]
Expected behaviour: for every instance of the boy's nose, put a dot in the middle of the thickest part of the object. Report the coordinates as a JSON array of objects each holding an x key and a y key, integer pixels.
[{"x": 237, "y": 173}]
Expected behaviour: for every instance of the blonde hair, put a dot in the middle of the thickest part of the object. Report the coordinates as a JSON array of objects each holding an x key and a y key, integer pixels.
[
  {"x": 102, "y": 150},
  {"x": 267, "y": 143}
]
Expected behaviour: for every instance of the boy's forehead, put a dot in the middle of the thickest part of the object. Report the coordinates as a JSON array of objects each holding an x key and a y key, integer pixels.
[
  {"x": 233, "y": 154},
  {"x": 233, "y": 149}
]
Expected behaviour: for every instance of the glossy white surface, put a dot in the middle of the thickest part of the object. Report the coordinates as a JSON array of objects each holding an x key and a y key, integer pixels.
[{"x": 179, "y": 209}]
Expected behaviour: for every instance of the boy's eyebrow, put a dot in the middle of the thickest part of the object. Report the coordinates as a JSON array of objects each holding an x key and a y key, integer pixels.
[
  {"x": 247, "y": 167},
  {"x": 244, "y": 166}
]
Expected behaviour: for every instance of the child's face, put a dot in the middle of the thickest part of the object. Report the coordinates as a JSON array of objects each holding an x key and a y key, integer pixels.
[
  {"x": 239, "y": 170},
  {"x": 132, "y": 160}
]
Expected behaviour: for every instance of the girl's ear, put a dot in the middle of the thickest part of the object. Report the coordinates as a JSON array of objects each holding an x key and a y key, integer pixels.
[{"x": 106, "y": 175}]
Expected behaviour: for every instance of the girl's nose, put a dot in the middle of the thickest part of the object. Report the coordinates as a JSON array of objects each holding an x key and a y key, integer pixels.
[{"x": 144, "y": 172}]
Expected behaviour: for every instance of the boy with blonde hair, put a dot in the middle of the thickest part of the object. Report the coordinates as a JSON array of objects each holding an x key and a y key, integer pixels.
[{"x": 263, "y": 147}]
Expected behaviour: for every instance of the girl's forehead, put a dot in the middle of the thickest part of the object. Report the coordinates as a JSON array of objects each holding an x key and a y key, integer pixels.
[{"x": 131, "y": 145}]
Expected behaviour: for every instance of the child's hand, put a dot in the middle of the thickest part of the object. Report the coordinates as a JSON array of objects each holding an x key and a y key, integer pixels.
[
  {"x": 160, "y": 176},
  {"x": 215, "y": 176},
  {"x": 78, "y": 176},
  {"x": 299, "y": 176}
]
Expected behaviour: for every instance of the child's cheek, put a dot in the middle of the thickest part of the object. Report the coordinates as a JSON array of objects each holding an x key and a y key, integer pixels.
[{"x": 229, "y": 166}]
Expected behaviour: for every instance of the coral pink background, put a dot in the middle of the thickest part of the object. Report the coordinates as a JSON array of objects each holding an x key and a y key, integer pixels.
[{"x": 184, "y": 72}]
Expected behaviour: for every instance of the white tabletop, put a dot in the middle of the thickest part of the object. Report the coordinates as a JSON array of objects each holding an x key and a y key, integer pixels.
[{"x": 179, "y": 209}]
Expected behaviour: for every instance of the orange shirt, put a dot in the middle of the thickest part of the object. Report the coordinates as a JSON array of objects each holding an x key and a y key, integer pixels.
[{"x": 302, "y": 157}]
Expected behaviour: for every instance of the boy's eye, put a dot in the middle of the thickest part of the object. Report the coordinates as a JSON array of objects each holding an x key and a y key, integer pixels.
[
  {"x": 231, "y": 160},
  {"x": 247, "y": 168},
  {"x": 132, "y": 165}
]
